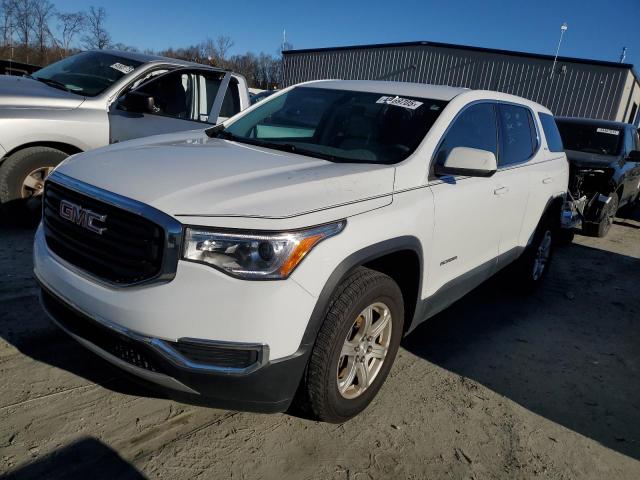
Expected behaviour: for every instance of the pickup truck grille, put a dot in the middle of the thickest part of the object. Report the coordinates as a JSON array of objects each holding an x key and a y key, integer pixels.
[{"x": 128, "y": 249}]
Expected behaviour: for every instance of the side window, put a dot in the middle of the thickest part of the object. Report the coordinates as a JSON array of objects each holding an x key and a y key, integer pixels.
[
  {"x": 629, "y": 141},
  {"x": 209, "y": 87},
  {"x": 517, "y": 134},
  {"x": 231, "y": 101},
  {"x": 474, "y": 128},
  {"x": 551, "y": 132},
  {"x": 173, "y": 94},
  {"x": 187, "y": 95}
]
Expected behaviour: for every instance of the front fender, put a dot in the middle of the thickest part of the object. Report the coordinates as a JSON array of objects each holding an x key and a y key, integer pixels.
[{"x": 81, "y": 129}]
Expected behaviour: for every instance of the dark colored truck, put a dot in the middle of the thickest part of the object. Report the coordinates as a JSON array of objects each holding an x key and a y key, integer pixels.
[{"x": 604, "y": 160}]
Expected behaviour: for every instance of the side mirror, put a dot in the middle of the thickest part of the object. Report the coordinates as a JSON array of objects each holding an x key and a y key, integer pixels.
[
  {"x": 138, "y": 102},
  {"x": 472, "y": 162},
  {"x": 634, "y": 156}
]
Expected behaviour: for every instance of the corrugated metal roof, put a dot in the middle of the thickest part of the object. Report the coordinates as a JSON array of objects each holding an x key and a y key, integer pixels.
[
  {"x": 462, "y": 47},
  {"x": 577, "y": 88}
]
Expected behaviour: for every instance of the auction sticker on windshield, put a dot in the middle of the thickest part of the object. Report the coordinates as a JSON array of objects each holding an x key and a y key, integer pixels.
[
  {"x": 608, "y": 130},
  {"x": 122, "y": 68},
  {"x": 400, "y": 102}
]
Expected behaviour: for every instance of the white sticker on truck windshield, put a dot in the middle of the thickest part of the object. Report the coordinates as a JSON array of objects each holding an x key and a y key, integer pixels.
[
  {"x": 122, "y": 68},
  {"x": 609, "y": 131},
  {"x": 400, "y": 102}
]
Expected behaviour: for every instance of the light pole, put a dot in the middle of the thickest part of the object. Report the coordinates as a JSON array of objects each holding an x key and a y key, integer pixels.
[{"x": 563, "y": 29}]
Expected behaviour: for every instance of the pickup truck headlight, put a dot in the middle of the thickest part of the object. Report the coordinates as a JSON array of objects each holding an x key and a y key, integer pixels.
[{"x": 255, "y": 255}]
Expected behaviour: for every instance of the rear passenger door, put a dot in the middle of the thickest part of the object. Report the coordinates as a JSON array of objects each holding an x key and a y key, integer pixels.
[{"x": 518, "y": 144}]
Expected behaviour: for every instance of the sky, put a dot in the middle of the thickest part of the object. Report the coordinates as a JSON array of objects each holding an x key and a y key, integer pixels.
[{"x": 597, "y": 29}]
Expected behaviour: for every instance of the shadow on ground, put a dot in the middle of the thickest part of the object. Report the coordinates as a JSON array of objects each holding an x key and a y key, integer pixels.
[
  {"x": 87, "y": 458},
  {"x": 570, "y": 352}
]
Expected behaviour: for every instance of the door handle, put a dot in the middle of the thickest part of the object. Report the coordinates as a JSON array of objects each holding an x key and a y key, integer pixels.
[
  {"x": 547, "y": 180},
  {"x": 501, "y": 190}
]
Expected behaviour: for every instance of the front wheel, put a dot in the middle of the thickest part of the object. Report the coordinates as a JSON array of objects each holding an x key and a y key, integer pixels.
[
  {"x": 22, "y": 178},
  {"x": 356, "y": 346}
]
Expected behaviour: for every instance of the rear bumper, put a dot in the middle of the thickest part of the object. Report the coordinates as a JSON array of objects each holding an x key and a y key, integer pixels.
[{"x": 251, "y": 383}]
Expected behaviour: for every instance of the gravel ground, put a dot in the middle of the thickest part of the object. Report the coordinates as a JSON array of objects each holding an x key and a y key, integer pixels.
[{"x": 500, "y": 385}]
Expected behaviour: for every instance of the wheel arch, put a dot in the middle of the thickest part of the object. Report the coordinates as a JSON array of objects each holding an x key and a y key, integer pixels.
[
  {"x": 389, "y": 257},
  {"x": 67, "y": 148},
  {"x": 554, "y": 206}
]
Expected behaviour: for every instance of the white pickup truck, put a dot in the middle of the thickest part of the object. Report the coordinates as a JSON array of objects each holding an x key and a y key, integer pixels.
[
  {"x": 290, "y": 248},
  {"x": 99, "y": 97}
]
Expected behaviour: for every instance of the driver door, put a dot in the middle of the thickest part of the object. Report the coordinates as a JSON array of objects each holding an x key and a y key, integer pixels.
[
  {"x": 466, "y": 234},
  {"x": 184, "y": 99}
]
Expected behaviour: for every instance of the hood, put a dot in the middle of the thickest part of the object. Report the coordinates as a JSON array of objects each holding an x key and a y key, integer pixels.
[
  {"x": 584, "y": 159},
  {"x": 191, "y": 174},
  {"x": 23, "y": 92}
]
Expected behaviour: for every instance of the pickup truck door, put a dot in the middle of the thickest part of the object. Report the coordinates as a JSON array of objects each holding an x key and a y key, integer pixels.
[
  {"x": 466, "y": 229},
  {"x": 185, "y": 99}
]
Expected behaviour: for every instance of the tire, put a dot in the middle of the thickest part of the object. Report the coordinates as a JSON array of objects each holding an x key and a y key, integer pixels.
[
  {"x": 20, "y": 198},
  {"x": 363, "y": 290},
  {"x": 602, "y": 227},
  {"x": 532, "y": 266}
]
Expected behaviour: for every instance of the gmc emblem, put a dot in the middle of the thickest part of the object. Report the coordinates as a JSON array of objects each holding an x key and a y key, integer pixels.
[{"x": 82, "y": 216}]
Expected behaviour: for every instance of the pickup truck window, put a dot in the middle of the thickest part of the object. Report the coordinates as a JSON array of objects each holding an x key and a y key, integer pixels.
[
  {"x": 591, "y": 138},
  {"x": 551, "y": 132},
  {"x": 517, "y": 133},
  {"x": 231, "y": 102},
  {"x": 475, "y": 127},
  {"x": 339, "y": 125},
  {"x": 88, "y": 73},
  {"x": 186, "y": 95}
]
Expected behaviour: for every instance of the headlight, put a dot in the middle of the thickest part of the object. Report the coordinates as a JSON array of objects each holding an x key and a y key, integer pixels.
[{"x": 255, "y": 255}]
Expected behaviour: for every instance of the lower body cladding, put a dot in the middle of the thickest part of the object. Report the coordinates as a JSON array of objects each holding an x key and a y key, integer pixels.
[{"x": 235, "y": 371}]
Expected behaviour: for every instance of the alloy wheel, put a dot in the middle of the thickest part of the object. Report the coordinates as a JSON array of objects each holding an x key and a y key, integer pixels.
[
  {"x": 542, "y": 255},
  {"x": 364, "y": 350},
  {"x": 33, "y": 183}
]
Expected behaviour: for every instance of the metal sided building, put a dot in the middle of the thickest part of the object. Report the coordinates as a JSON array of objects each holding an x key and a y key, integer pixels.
[{"x": 576, "y": 87}]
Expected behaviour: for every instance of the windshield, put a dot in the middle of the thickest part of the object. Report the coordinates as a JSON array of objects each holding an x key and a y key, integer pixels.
[
  {"x": 88, "y": 73},
  {"x": 590, "y": 138},
  {"x": 338, "y": 125}
]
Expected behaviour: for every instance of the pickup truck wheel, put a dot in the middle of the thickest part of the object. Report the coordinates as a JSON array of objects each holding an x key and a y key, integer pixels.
[
  {"x": 356, "y": 346},
  {"x": 602, "y": 227},
  {"x": 22, "y": 181}
]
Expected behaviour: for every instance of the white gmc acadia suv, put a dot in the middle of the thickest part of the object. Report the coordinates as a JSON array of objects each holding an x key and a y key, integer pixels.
[{"x": 285, "y": 252}]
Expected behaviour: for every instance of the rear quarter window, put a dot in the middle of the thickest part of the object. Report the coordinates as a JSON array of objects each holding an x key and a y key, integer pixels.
[{"x": 551, "y": 132}]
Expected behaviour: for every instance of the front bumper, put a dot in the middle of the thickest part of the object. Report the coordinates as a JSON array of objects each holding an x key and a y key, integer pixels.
[
  {"x": 200, "y": 302},
  {"x": 144, "y": 329},
  {"x": 259, "y": 386}
]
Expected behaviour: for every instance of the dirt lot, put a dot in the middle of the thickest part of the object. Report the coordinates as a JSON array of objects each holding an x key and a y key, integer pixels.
[{"x": 498, "y": 386}]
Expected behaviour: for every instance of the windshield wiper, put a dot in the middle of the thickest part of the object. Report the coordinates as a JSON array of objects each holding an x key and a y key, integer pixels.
[
  {"x": 52, "y": 83},
  {"x": 213, "y": 132},
  {"x": 218, "y": 131}
]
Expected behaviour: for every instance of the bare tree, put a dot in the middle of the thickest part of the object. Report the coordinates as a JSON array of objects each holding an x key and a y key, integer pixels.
[
  {"x": 69, "y": 25},
  {"x": 222, "y": 46},
  {"x": 7, "y": 8},
  {"x": 97, "y": 36},
  {"x": 43, "y": 12},
  {"x": 23, "y": 14},
  {"x": 124, "y": 47}
]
